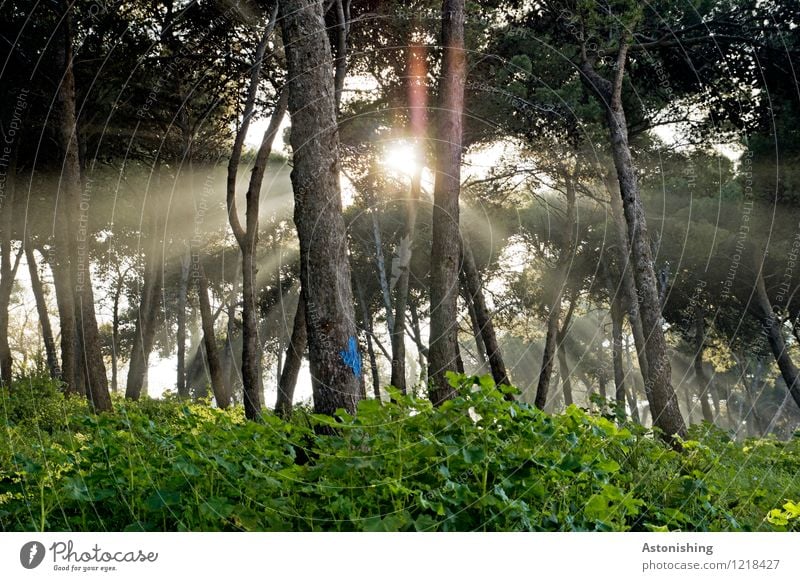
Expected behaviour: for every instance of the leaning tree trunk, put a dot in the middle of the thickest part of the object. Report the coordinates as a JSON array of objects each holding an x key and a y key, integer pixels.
[
  {"x": 480, "y": 347},
  {"x": 663, "y": 400},
  {"x": 772, "y": 327},
  {"x": 80, "y": 271},
  {"x": 629, "y": 295},
  {"x": 472, "y": 281},
  {"x": 446, "y": 239},
  {"x": 210, "y": 342},
  {"x": 369, "y": 331},
  {"x": 292, "y": 362},
  {"x": 324, "y": 266},
  {"x": 44, "y": 316}
]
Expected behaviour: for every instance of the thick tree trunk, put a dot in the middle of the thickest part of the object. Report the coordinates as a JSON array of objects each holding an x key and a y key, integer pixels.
[
  {"x": 183, "y": 290},
  {"x": 292, "y": 362},
  {"x": 446, "y": 236},
  {"x": 703, "y": 383},
  {"x": 663, "y": 400},
  {"x": 210, "y": 342},
  {"x": 44, "y": 316},
  {"x": 324, "y": 267},
  {"x": 762, "y": 307},
  {"x": 471, "y": 279},
  {"x": 86, "y": 321}
]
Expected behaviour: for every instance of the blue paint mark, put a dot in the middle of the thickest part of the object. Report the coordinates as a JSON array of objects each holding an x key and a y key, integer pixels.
[{"x": 351, "y": 358}]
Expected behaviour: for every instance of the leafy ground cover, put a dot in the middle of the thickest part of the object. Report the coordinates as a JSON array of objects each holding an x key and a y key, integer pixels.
[{"x": 478, "y": 462}]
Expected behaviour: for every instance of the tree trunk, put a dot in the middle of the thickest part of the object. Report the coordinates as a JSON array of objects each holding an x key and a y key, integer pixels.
[
  {"x": 145, "y": 330},
  {"x": 703, "y": 382},
  {"x": 44, "y": 316},
  {"x": 183, "y": 290},
  {"x": 401, "y": 290},
  {"x": 366, "y": 317},
  {"x": 248, "y": 237},
  {"x": 629, "y": 294},
  {"x": 446, "y": 239},
  {"x": 210, "y": 342},
  {"x": 551, "y": 338},
  {"x": 563, "y": 369},
  {"x": 471, "y": 279},
  {"x": 417, "y": 99},
  {"x": 86, "y": 321},
  {"x": 66, "y": 315},
  {"x": 548, "y": 355},
  {"x": 480, "y": 347},
  {"x": 772, "y": 328},
  {"x": 663, "y": 400},
  {"x": 292, "y": 362},
  {"x": 7, "y": 271},
  {"x": 324, "y": 267}
]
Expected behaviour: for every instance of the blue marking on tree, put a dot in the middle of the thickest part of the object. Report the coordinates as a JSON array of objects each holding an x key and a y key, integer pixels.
[{"x": 351, "y": 358}]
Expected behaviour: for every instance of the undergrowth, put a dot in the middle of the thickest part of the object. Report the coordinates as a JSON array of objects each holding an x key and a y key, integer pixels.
[{"x": 478, "y": 462}]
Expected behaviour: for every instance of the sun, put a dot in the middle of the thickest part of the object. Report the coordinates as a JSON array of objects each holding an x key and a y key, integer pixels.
[{"x": 402, "y": 158}]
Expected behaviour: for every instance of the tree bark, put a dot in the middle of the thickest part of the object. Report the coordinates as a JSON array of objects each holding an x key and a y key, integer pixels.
[
  {"x": 324, "y": 267},
  {"x": 446, "y": 239},
  {"x": 210, "y": 342},
  {"x": 663, "y": 400},
  {"x": 292, "y": 362},
  {"x": 471, "y": 280},
  {"x": 44, "y": 316},
  {"x": 86, "y": 320},
  {"x": 771, "y": 325}
]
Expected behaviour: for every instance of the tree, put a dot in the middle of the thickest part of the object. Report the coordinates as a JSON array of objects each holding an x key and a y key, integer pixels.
[
  {"x": 446, "y": 238},
  {"x": 324, "y": 269},
  {"x": 247, "y": 237},
  {"x": 77, "y": 255}
]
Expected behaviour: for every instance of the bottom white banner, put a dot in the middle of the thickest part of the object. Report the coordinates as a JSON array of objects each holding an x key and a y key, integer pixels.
[{"x": 378, "y": 556}]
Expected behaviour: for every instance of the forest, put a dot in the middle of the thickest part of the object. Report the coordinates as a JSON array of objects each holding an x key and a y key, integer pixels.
[{"x": 337, "y": 265}]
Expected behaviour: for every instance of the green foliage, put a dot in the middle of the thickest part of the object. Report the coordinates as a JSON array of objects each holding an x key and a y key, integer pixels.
[{"x": 477, "y": 462}]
